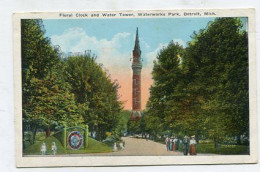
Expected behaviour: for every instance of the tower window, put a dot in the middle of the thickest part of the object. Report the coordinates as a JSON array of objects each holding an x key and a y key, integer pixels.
[
  {"x": 134, "y": 81},
  {"x": 135, "y": 91}
]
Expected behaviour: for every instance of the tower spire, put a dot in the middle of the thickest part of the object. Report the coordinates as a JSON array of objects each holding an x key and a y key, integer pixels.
[{"x": 137, "y": 46}]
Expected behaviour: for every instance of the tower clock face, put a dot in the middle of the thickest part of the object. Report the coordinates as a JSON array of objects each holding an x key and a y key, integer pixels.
[{"x": 75, "y": 140}]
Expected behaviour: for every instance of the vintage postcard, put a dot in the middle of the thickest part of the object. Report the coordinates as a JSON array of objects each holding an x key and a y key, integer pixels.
[{"x": 112, "y": 88}]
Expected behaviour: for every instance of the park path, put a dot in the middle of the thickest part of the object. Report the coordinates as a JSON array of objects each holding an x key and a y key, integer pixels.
[
  {"x": 134, "y": 146},
  {"x": 137, "y": 147}
]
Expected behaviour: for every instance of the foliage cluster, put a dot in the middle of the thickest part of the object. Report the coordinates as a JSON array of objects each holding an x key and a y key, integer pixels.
[
  {"x": 59, "y": 92},
  {"x": 202, "y": 89}
]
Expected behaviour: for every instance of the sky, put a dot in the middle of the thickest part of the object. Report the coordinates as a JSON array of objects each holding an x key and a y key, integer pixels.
[{"x": 112, "y": 40}]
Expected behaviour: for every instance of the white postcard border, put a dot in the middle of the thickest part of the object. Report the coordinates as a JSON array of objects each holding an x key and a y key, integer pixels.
[{"x": 135, "y": 160}]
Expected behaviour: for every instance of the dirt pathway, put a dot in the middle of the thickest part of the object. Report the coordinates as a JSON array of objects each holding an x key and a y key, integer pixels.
[{"x": 134, "y": 146}]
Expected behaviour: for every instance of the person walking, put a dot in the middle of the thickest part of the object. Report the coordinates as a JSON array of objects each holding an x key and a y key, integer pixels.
[
  {"x": 167, "y": 142},
  {"x": 177, "y": 143},
  {"x": 115, "y": 147},
  {"x": 121, "y": 144},
  {"x": 171, "y": 143},
  {"x": 193, "y": 143},
  {"x": 43, "y": 149},
  {"x": 54, "y": 148},
  {"x": 174, "y": 143},
  {"x": 185, "y": 145}
]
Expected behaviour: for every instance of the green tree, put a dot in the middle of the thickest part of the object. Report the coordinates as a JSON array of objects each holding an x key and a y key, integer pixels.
[
  {"x": 95, "y": 93},
  {"x": 52, "y": 105},
  {"x": 47, "y": 102},
  {"x": 206, "y": 92},
  {"x": 167, "y": 72},
  {"x": 122, "y": 127},
  {"x": 217, "y": 59}
]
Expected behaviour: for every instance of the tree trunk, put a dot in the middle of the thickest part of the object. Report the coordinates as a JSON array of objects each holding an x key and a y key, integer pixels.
[
  {"x": 99, "y": 133},
  {"x": 239, "y": 140},
  {"x": 48, "y": 132},
  {"x": 34, "y": 134},
  {"x": 215, "y": 143}
]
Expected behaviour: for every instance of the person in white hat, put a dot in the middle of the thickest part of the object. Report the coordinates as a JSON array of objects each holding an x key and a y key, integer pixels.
[{"x": 193, "y": 145}]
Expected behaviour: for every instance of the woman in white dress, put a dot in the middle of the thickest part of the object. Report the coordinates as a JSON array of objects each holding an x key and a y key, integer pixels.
[
  {"x": 43, "y": 148},
  {"x": 192, "y": 146},
  {"x": 115, "y": 147},
  {"x": 54, "y": 148},
  {"x": 121, "y": 146}
]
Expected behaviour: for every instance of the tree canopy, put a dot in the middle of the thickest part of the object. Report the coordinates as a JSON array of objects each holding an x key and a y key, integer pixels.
[
  {"x": 95, "y": 93},
  {"x": 47, "y": 102},
  {"x": 203, "y": 89},
  {"x": 59, "y": 92}
]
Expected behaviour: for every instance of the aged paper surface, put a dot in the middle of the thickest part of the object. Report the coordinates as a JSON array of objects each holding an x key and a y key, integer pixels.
[{"x": 101, "y": 43}]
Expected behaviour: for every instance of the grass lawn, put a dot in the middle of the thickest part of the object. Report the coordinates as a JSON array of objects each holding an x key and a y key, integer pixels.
[
  {"x": 223, "y": 150},
  {"x": 93, "y": 147}
]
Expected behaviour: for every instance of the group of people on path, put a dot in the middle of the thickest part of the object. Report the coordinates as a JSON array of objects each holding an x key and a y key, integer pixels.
[
  {"x": 189, "y": 145},
  {"x": 121, "y": 144},
  {"x": 44, "y": 148},
  {"x": 172, "y": 143}
]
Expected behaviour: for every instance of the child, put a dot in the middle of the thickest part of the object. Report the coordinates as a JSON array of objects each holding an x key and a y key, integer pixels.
[
  {"x": 115, "y": 147},
  {"x": 43, "y": 148},
  {"x": 54, "y": 148}
]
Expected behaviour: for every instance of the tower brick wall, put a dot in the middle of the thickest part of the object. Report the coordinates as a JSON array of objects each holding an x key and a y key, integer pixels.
[{"x": 136, "y": 92}]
